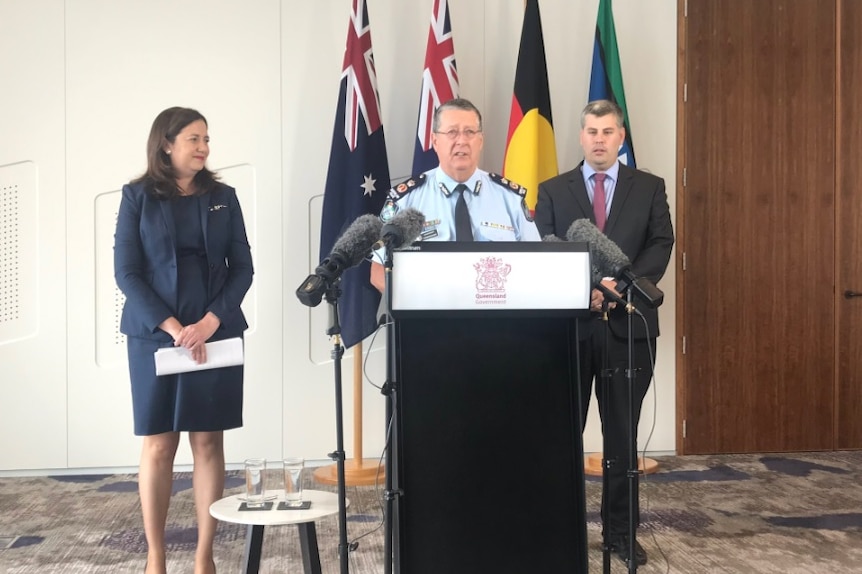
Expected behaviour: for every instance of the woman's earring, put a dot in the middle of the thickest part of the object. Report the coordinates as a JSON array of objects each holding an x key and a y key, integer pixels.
[{"x": 167, "y": 151}]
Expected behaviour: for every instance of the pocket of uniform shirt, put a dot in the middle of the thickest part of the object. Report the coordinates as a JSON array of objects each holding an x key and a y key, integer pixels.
[{"x": 497, "y": 231}]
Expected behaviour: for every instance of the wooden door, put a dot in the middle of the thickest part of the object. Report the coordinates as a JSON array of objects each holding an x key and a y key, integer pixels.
[
  {"x": 756, "y": 221},
  {"x": 848, "y": 311}
]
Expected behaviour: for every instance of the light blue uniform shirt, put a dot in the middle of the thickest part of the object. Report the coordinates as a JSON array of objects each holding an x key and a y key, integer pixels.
[
  {"x": 610, "y": 183},
  {"x": 496, "y": 212}
]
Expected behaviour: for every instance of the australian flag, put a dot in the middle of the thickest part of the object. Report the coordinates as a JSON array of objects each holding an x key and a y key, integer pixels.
[
  {"x": 439, "y": 84},
  {"x": 358, "y": 177}
]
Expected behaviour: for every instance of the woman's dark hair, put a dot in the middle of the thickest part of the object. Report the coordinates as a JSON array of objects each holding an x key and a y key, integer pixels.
[{"x": 160, "y": 175}]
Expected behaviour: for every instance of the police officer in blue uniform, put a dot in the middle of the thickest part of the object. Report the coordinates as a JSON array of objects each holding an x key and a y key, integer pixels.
[{"x": 460, "y": 201}]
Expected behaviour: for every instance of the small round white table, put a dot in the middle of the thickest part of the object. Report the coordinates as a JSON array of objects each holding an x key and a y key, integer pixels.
[{"x": 322, "y": 504}]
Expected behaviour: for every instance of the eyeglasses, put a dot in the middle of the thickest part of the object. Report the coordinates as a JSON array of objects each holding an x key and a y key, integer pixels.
[{"x": 453, "y": 133}]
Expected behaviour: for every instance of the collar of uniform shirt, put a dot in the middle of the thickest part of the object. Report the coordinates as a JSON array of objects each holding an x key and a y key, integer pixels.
[
  {"x": 613, "y": 174},
  {"x": 471, "y": 183}
]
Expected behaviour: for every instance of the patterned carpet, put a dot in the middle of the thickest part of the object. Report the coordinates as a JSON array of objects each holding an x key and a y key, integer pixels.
[{"x": 736, "y": 514}]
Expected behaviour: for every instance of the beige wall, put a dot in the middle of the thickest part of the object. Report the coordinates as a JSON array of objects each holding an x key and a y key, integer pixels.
[{"x": 83, "y": 80}]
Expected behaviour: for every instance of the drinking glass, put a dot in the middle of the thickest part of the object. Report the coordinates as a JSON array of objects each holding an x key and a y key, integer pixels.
[
  {"x": 255, "y": 482},
  {"x": 293, "y": 480}
]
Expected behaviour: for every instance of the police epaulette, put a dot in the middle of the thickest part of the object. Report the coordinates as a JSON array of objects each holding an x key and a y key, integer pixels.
[
  {"x": 406, "y": 186},
  {"x": 508, "y": 184}
]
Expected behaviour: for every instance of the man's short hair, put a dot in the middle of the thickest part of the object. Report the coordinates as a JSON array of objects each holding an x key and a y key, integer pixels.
[
  {"x": 601, "y": 108},
  {"x": 455, "y": 104}
]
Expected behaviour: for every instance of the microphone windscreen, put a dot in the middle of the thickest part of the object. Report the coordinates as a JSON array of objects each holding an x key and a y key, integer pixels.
[
  {"x": 607, "y": 255},
  {"x": 356, "y": 241},
  {"x": 405, "y": 227},
  {"x": 551, "y": 238}
]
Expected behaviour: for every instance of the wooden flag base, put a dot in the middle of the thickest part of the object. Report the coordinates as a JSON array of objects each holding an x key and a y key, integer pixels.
[
  {"x": 363, "y": 472},
  {"x": 593, "y": 464}
]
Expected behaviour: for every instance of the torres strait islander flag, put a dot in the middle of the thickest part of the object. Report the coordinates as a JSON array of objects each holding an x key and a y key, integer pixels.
[
  {"x": 439, "y": 84},
  {"x": 358, "y": 177},
  {"x": 606, "y": 77},
  {"x": 531, "y": 153}
]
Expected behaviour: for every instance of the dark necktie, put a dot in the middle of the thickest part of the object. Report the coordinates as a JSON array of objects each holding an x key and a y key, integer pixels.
[
  {"x": 463, "y": 229},
  {"x": 599, "y": 205}
]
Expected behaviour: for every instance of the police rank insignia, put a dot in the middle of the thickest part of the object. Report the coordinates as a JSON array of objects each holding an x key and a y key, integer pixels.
[
  {"x": 509, "y": 184},
  {"x": 390, "y": 208},
  {"x": 514, "y": 188},
  {"x": 406, "y": 186}
]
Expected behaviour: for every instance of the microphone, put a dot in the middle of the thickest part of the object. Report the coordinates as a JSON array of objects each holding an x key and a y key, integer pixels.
[
  {"x": 610, "y": 261},
  {"x": 596, "y": 279},
  {"x": 551, "y": 238},
  {"x": 404, "y": 229},
  {"x": 612, "y": 295},
  {"x": 349, "y": 250}
]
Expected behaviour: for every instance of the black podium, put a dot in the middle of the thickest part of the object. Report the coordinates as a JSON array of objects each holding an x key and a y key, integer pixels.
[{"x": 489, "y": 450}]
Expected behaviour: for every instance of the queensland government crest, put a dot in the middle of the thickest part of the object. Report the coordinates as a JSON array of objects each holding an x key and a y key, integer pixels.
[{"x": 491, "y": 273}]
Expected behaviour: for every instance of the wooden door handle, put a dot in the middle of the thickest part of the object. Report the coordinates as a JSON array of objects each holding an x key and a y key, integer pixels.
[{"x": 850, "y": 294}]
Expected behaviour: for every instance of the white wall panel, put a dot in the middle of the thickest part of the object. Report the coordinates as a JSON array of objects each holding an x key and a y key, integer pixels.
[
  {"x": 646, "y": 35},
  {"x": 19, "y": 252},
  {"x": 109, "y": 300},
  {"x": 312, "y": 58},
  {"x": 124, "y": 64},
  {"x": 33, "y": 268},
  {"x": 91, "y": 75}
]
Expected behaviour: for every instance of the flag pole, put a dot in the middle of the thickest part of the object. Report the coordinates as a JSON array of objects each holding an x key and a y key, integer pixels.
[
  {"x": 357, "y": 470},
  {"x": 357, "y": 402}
]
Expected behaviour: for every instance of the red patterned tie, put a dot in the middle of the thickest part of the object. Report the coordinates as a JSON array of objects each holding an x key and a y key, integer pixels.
[{"x": 599, "y": 207}]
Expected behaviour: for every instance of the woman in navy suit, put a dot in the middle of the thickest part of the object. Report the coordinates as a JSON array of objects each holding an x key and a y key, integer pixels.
[{"x": 182, "y": 259}]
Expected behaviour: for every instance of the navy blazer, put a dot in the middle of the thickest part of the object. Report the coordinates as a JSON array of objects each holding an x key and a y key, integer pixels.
[
  {"x": 145, "y": 261},
  {"x": 639, "y": 223}
]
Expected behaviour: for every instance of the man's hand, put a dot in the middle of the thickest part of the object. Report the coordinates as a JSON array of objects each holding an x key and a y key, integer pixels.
[{"x": 597, "y": 298}]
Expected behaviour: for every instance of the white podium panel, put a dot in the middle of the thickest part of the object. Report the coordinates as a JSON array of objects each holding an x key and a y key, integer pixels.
[{"x": 491, "y": 276}]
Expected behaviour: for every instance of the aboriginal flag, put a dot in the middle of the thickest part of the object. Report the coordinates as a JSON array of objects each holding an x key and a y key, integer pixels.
[{"x": 531, "y": 154}]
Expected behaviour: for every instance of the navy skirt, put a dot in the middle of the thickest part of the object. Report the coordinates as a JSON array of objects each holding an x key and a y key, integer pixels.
[{"x": 209, "y": 400}]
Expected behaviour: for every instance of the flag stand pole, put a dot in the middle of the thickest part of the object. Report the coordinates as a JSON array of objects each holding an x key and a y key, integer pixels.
[{"x": 357, "y": 471}]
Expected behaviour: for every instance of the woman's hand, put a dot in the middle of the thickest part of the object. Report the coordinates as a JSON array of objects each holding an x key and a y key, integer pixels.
[
  {"x": 194, "y": 337},
  {"x": 172, "y": 327}
]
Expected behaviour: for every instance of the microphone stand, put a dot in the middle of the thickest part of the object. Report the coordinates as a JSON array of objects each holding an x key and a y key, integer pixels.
[
  {"x": 606, "y": 462},
  {"x": 333, "y": 292},
  {"x": 392, "y": 492},
  {"x": 633, "y": 473}
]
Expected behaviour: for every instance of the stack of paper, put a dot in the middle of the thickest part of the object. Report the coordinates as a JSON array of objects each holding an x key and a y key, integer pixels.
[{"x": 225, "y": 353}]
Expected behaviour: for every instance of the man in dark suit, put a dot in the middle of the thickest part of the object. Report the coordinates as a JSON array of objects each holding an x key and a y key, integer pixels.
[{"x": 631, "y": 208}]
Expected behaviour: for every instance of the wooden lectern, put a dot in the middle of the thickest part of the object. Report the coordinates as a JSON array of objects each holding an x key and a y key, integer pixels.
[{"x": 489, "y": 454}]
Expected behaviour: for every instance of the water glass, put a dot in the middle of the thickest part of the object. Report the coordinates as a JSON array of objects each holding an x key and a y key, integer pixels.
[
  {"x": 255, "y": 482},
  {"x": 293, "y": 481}
]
